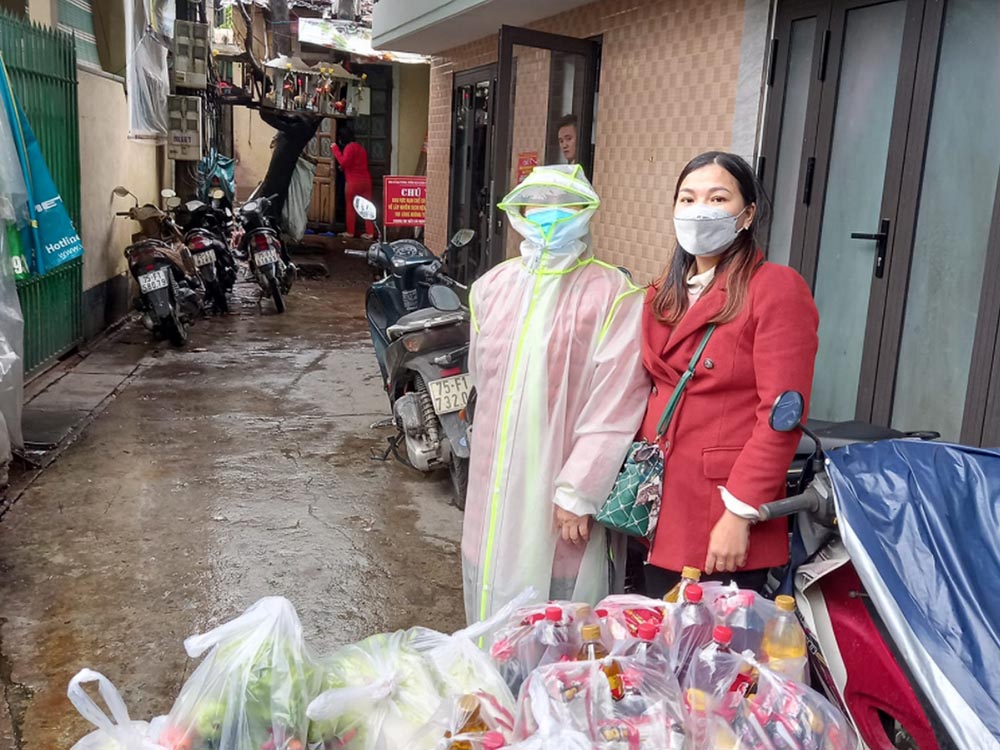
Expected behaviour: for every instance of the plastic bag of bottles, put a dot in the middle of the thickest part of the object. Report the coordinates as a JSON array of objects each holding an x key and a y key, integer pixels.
[
  {"x": 472, "y": 721},
  {"x": 622, "y": 614},
  {"x": 252, "y": 690},
  {"x": 792, "y": 717},
  {"x": 615, "y": 702},
  {"x": 769, "y": 629},
  {"x": 536, "y": 635},
  {"x": 117, "y": 731}
]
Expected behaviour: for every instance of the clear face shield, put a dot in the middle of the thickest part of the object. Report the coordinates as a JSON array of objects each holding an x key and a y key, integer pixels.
[{"x": 552, "y": 207}]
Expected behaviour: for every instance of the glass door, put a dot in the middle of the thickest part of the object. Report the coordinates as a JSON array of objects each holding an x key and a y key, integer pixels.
[
  {"x": 881, "y": 155},
  {"x": 843, "y": 74},
  {"x": 546, "y": 90},
  {"x": 472, "y": 130}
]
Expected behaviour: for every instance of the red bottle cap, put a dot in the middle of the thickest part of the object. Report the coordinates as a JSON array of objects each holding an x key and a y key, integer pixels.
[
  {"x": 722, "y": 635},
  {"x": 693, "y": 593},
  {"x": 746, "y": 598},
  {"x": 493, "y": 741},
  {"x": 553, "y": 614},
  {"x": 647, "y": 631},
  {"x": 601, "y": 613}
]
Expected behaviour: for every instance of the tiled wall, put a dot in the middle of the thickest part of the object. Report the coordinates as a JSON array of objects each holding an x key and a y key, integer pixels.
[{"x": 668, "y": 91}]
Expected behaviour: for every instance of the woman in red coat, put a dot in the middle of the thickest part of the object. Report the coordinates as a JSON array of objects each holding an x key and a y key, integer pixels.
[
  {"x": 353, "y": 159},
  {"x": 722, "y": 460}
]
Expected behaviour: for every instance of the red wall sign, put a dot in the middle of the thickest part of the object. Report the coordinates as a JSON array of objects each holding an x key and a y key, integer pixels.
[
  {"x": 526, "y": 161},
  {"x": 405, "y": 200}
]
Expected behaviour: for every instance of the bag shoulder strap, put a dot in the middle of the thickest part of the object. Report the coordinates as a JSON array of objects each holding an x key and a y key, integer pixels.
[{"x": 675, "y": 397}]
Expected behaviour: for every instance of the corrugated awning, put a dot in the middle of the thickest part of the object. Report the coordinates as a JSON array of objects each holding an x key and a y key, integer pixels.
[{"x": 352, "y": 38}]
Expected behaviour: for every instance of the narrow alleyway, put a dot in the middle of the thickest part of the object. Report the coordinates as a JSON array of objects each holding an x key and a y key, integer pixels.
[{"x": 236, "y": 469}]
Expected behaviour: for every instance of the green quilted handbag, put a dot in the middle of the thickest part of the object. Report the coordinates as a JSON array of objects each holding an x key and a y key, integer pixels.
[{"x": 633, "y": 506}]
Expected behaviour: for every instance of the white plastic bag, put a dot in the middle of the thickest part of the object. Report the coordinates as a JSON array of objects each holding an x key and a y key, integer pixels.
[
  {"x": 115, "y": 732},
  {"x": 295, "y": 212},
  {"x": 252, "y": 689},
  {"x": 383, "y": 692},
  {"x": 378, "y": 694},
  {"x": 147, "y": 78}
]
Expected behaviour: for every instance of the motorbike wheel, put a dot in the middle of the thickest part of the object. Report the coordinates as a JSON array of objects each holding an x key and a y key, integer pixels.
[
  {"x": 279, "y": 302},
  {"x": 174, "y": 329},
  {"x": 217, "y": 293},
  {"x": 459, "y": 471}
]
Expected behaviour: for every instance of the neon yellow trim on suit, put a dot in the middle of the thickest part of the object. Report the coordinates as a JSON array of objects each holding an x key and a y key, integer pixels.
[
  {"x": 614, "y": 308},
  {"x": 472, "y": 313},
  {"x": 502, "y": 449}
]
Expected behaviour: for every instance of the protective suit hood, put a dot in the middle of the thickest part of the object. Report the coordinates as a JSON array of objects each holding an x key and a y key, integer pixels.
[{"x": 548, "y": 191}]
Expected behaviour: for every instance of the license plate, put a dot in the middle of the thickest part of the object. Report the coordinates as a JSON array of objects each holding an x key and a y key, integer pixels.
[
  {"x": 264, "y": 257},
  {"x": 203, "y": 259},
  {"x": 449, "y": 394},
  {"x": 154, "y": 280}
]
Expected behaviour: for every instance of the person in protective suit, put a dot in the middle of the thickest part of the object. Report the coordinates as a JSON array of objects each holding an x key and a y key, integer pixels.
[{"x": 555, "y": 357}]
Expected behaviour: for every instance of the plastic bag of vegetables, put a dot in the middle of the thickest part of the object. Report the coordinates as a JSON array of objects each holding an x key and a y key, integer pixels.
[
  {"x": 252, "y": 690},
  {"x": 378, "y": 693},
  {"x": 115, "y": 732},
  {"x": 381, "y": 693}
]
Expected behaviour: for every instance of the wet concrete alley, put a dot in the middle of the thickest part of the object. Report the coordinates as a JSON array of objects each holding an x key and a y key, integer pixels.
[{"x": 237, "y": 468}]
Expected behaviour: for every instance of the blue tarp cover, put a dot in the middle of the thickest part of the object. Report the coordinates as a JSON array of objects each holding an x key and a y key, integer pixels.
[{"x": 922, "y": 523}]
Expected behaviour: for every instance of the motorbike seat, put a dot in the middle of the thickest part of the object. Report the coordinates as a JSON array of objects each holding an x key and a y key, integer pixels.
[
  {"x": 839, "y": 434},
  {"x": 421, "y": 320}
]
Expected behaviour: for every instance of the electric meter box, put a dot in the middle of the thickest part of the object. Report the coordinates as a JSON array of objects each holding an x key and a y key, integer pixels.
[
  {"x": 185, "y": 134},
  {"x": 192, "y": 47}
]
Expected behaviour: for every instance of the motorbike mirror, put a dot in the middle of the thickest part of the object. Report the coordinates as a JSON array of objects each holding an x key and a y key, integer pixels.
[
  {"x": 443, "y": 298},
  {"x": 365, "y": 208},
  {"x": 173, "y": 201},
  {"x": 217, "y": 193},
  {"x": 123, "y": 192},
  {"x": 167, "y": 193},
  {"x": 786, "y": 414},
  {"x": 462, "y": 237}
]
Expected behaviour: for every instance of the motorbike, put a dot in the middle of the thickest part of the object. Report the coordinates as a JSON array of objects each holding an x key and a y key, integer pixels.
[
  {"x": 170, "y": 291},
  {"x": 205, "y": 237},
  {"x": 856, "y": 480},
  {"x": 264, "y": 250},
  {"x": 420, "y": 330}
]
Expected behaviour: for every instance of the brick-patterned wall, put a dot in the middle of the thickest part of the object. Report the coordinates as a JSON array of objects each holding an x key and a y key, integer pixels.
[{"x": 668, "y": 89}]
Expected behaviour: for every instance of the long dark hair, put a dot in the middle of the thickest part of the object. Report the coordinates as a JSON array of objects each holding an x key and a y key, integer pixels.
[{"x": 671, "y": 300}]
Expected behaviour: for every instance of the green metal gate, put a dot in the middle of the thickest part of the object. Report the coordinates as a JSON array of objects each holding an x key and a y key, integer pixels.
[{"x": 41, "y": 63}]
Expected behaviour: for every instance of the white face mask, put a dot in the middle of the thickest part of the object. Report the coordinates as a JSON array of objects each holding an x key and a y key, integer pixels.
[{"x": 705, "y": 230}]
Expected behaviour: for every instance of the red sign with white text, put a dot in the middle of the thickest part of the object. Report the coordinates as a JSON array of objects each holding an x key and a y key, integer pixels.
[{"x": 405, "y": 201}]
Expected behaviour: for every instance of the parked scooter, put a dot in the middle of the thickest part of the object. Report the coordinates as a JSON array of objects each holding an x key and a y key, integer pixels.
[
  {"x": 205, "y": 237},
  {"x": 853, "y": 654},
  {"x": 266, "y": 254},
  {"x": 170, "y": 291},
  {"x": 420, "y": 331}
]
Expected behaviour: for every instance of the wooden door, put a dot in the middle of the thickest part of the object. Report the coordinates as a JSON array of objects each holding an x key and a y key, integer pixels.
[{"x": 321, "y": 206}]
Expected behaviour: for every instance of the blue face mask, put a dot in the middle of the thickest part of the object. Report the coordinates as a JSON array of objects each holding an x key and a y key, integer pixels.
[{"x": 547, "y": 218}]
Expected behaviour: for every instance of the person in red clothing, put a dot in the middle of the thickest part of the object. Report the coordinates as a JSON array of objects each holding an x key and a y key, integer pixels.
[
  {"x": 722, "y": 461},
  {"x": 353, "y": 159}
]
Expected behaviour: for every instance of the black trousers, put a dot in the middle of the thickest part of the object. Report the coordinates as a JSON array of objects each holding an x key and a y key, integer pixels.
[{"x": 657, "y": 581}]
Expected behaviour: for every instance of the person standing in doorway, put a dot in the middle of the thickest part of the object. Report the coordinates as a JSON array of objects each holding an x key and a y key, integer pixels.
[
  {"x": 567, "y": 132},
  {"x": 353, "y": 160}
]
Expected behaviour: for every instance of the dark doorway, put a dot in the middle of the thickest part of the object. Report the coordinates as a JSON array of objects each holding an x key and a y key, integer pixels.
[{"x": 471, "y": 141}]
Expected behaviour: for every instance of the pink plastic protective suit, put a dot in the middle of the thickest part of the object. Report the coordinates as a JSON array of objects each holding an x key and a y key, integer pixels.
[{"x": 555, "y": 358}]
